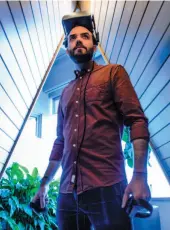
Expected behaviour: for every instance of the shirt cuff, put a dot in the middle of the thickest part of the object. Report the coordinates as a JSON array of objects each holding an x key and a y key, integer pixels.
[{"x": 140, "y": 133}]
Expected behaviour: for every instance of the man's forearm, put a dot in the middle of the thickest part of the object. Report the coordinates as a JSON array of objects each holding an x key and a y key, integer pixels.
[
  {"x": 52, "y": 168},
  {"x": 140, "y": 147}
]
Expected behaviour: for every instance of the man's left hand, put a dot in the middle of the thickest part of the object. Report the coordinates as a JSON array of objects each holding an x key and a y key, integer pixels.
[{"x": 139, "y": 188}]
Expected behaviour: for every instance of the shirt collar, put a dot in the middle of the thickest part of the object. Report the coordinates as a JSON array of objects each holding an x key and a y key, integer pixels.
[{"x": 79, "y": 73}]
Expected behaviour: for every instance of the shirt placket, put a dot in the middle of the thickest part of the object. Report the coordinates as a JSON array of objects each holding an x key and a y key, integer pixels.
[{"x": 76, "y": 128}]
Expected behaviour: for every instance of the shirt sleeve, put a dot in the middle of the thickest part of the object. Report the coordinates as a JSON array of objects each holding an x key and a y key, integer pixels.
[
  {"x": 58, "y": 146},
  {"x": 128, "y": 104}
]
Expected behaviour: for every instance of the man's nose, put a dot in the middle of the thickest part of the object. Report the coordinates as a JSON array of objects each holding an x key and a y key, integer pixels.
[{"x": 78, "y": 42}]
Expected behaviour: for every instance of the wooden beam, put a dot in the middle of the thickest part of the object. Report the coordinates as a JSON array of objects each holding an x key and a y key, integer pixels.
[
  {"x": 103, "y": 54},
  {"x": 84, "y": 6}
]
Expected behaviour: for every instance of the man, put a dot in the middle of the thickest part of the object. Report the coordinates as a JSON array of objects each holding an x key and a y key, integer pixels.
[{"x": 92, "y": 111}]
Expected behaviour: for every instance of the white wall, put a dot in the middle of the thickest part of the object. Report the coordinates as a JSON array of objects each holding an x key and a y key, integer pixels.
[
  {"x": 42, "y": 105},
  {"x": 32, "y": 151}
]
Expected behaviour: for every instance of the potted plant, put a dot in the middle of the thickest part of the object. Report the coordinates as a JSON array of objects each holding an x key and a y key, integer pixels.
[{"x": 16, "y": 191}]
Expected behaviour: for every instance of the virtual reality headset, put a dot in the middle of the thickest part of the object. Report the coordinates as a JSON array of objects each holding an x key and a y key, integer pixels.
[{"x": 79, "y": 19}]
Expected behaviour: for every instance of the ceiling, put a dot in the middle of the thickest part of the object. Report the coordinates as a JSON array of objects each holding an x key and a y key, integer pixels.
[{"x": 135, "y": 34}]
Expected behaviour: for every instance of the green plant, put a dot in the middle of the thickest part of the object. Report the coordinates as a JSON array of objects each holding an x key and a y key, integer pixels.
[
  {"x": 16, "y": 192},
  {"x": 128, "y": 151}
]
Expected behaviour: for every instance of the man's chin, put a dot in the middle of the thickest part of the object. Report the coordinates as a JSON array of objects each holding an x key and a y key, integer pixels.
[{"x": 81, "y": 57}]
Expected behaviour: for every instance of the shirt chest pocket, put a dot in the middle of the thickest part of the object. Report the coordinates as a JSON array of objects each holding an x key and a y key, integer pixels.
[{"x": 97, "y": 93}]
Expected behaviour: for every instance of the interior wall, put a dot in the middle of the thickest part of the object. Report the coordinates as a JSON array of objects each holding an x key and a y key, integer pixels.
[{"x": 42, "y": 105}]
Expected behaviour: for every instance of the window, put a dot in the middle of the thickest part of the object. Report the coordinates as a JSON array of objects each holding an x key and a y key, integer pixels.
[
  {"x": 55, "y": 103},
  {"x": 34, "y": 126}
]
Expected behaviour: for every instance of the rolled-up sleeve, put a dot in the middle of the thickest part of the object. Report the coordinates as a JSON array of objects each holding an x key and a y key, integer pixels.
[
  {"x": 128, "y": 104},
  {"x": 58, "y": 146}
]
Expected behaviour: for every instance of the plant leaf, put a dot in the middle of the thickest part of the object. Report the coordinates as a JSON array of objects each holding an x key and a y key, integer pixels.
[
  {"x": 8, "y": 172},
  {"x": 35, "y": 173},
  {"x": 4, "y": 181},
  {"x": 26, "y": 209},
  {"x": 4, "y": 193},
  {"x": 41, "y": 224},
  {"x": 15, "y": 199},
  {"x": 128, "y": 151},
  {"x": 5, "y": 216},
  {"x": 125, "y": 136},
  {"x": 130, "y": 162},
  {"x": 21, "y": 226},
  {"x": 20, "y": 186},
  {"x": 53, "y": 223},
  {"x": 24, "y": 169},
  {"x": 31, "y": 228},
  {"x": 12, "y": 206}
]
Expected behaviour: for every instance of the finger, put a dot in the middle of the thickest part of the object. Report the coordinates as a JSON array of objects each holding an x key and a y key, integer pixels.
[
  {"x": 125, "y": 198},
  {"x": 145, "y": 196},
  {"x": 137, "y": 197},
  {"x": 42, "y": 201}
]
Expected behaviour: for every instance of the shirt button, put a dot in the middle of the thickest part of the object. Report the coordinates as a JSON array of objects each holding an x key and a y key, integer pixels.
[
  {"x": 78, "y": 88},
  {"x": 77, "y": 102},
  {"x": 75, "y": 130},
  {"x": 74, "y": 145},
  {"x": 80, "y": 77},
  {"x": 75, "y": 162},
  {"x": 76, "y": 115}
]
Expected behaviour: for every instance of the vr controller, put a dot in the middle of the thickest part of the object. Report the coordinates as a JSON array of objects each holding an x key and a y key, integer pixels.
[
  {"x": 37, "y": 206},
  {"x": 138, "y": 208}
]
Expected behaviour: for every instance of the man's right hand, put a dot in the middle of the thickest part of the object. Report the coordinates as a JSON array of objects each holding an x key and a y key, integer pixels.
[{"x": 41, "y": 195}]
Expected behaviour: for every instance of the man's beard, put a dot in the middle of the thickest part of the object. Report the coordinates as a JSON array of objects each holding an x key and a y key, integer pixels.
[{"x": 81, "y": 58}]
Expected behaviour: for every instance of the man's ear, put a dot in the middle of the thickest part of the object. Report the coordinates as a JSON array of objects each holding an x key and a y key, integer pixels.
[{"x": 67, "y": 51}]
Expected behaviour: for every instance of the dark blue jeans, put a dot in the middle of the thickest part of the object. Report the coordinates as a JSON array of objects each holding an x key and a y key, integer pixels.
[{"x": 98, "y": 209}]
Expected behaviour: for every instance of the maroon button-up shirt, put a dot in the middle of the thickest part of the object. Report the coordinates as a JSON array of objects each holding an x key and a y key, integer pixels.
[{"x": 92, "y": 111}]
